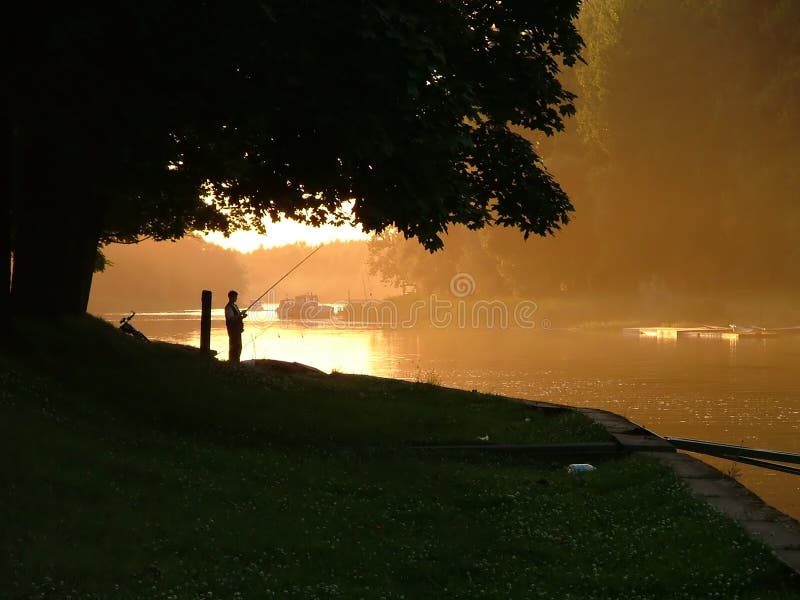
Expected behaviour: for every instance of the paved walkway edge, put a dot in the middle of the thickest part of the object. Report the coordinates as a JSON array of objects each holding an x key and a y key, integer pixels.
[{"x": 779, "y": 532}]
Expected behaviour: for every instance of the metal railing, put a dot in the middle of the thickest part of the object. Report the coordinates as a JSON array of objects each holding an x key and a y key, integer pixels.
[{"x": 749, "y": 456}]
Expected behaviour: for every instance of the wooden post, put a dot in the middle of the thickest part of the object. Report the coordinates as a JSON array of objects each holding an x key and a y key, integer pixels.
[{"x": 205, "y": 322}]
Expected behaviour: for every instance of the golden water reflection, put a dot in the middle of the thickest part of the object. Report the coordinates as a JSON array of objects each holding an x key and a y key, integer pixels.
[{"x": 315, "y": 344}]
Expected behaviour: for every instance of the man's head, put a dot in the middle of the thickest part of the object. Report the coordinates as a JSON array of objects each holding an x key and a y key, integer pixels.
[{"x": 232, "y": 295}]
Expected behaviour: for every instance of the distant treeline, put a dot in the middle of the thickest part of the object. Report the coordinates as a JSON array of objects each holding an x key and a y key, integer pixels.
[
  {"x": 682, "y": 162},
  {"x": 154, "y": 276}
]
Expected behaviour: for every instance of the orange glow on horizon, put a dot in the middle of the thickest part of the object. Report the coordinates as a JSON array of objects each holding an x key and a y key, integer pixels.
[{"x": 287, "y": 232}]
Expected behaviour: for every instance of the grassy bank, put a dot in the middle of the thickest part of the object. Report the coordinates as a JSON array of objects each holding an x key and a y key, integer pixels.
[{"x": 146, "y": 471}]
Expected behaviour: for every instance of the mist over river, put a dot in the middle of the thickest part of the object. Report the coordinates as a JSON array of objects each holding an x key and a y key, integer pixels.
[{"x": 743, "y": 391}]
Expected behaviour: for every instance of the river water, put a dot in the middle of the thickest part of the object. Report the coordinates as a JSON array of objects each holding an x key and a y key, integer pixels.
[{"x": 743, "y": 391}]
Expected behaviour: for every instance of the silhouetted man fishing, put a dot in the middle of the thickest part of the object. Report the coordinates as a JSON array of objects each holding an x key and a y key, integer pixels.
[
  {"x": 234, "y": 317},
  {"x": 234, "y": 322}
]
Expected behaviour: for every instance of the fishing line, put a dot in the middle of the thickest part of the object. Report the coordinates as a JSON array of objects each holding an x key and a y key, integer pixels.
[
  {"x": 252, "y": 340},
  {"x": 289, "y": 272}
]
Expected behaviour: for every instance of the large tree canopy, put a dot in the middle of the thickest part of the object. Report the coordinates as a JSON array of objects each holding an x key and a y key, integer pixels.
[
  {"x": 682, "y": 163},
  {"x": 127, "y": 121}
]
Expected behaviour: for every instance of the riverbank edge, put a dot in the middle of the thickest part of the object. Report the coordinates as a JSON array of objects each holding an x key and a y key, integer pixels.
[
  {"x": 43, "y": 351},
  {"x": 776, "y": 530},
  {"x": 779, "y": 532}
]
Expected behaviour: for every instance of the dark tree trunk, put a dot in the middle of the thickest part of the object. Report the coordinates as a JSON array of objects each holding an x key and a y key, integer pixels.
[
  {"x": 7, "y": 198},
  {"x": 55, "y": 247},
  {"x": 53, "y": 263},
  {"x": 5, "y": 257}
]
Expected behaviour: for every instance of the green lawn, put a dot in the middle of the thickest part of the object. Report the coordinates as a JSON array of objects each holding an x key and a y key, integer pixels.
[{"x": 147, "y": 471}]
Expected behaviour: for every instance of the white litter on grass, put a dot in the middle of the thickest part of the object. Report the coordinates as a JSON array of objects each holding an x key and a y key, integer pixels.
[
  {"x": 580, "y": 468},
  {"x": 483, "y": 438}
]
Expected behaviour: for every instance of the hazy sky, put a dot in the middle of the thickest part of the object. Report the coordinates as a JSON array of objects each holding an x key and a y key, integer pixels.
[{"x": 288, "y": 232}]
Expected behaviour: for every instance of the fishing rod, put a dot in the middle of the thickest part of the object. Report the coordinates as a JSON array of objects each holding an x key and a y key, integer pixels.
[
  {"x": 289, "y": 272},
  {"x": 270, "y": 288}
]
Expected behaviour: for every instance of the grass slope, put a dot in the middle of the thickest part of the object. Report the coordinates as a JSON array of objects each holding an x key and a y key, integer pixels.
[{"x": 146, "y": 471}]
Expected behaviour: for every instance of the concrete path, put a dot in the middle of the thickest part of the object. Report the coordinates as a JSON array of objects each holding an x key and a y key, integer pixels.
[{"x": 779, "y": 532}]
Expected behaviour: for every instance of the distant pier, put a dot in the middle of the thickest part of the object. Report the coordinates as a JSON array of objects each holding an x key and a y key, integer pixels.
[{"x": 730, "y": 332}]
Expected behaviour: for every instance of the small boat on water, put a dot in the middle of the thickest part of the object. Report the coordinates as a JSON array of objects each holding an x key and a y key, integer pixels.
[{"x": 304, "y": 307}]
